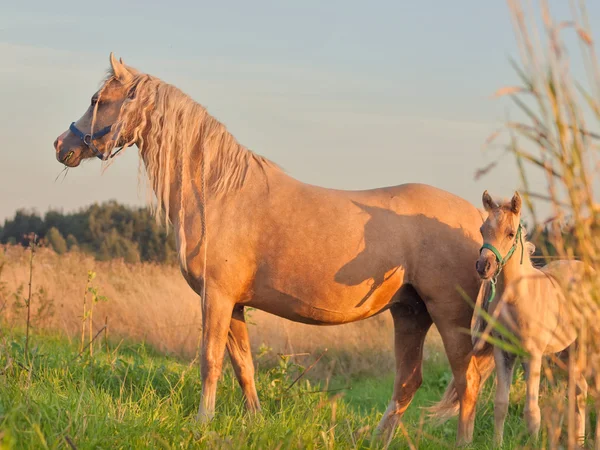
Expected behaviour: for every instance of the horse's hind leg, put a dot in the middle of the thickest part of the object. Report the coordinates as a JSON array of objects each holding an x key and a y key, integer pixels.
[
  {"x": 453, "y": 318},
  {"x": 411, "y": 323},
  {"x": 505, "y": 364},
  {"x": 238, "y": 346}
]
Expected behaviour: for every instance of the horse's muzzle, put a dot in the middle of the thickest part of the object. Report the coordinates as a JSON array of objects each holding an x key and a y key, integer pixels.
[
  {"x": 70, "y": 158},
  {"x": 484, "y": 268}
]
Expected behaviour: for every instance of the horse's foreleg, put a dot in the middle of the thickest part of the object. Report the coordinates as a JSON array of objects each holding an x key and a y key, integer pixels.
[
  {"x": 216, "y": 319},
  {"x": 532, "y": 412},
  {"x": 411, "y": 323},
  {"x": 238, "y": 346},
  {"x": 505, "y": 364}
]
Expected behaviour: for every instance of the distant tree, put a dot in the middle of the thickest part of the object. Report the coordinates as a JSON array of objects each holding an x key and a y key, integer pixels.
[
  {"x": 56, "y": 240},
  {"x": 72, "y": 243},
  {"x": 23, "y": 223},
  {"x": 116, "y": 246},
  {"x": 107, "y": 230}
]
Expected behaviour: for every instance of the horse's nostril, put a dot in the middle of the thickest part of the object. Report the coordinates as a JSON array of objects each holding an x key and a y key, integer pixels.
[
  {"x": 479, "y": 267},
  {"x": 57, "y": 144},
  {"x": 487, "y": 266}
]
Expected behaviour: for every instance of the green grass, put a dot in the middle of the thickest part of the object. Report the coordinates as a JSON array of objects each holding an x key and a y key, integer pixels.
[{"x": 136, "y": 398}]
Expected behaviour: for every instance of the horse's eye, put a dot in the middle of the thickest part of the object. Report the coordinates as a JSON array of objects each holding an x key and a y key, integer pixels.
[
  {"x": 511, "y": 235},
  {"x": 94, "y": 100},
  {"x": 481, "y": 230}
]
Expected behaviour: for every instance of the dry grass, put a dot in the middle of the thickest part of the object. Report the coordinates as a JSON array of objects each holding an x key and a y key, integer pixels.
[{"x": 153, "y": 303}]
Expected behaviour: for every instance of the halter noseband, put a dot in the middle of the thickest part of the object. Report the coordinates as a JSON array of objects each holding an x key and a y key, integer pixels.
[
  {"x": 501, "y": 262},
  {"x": 88, "y": 140}
]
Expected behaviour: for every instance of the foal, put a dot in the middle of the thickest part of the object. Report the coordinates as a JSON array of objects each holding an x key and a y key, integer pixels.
[{"x": 530, "y": 303}]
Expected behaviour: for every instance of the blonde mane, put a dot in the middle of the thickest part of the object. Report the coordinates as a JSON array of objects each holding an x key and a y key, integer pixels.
[
  {"x": 173, "y": 134},
  {"x": 178, "y": 141}
]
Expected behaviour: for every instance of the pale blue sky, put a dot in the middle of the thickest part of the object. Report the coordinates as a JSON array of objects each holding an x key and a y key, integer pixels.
[{"x": 342, "y": 94}]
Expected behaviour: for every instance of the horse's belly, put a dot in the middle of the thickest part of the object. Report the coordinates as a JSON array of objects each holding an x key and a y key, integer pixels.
[
  {"x": 343, "y": 306},
  {"x": 313, "y": 315}
]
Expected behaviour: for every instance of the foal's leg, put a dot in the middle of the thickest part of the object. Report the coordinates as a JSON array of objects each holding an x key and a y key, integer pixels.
[
  {"x": 581, "y": 391},
  {"x": 411, "y": 323},
  {"x": 238, "y": 346},
  {"x": 505, "y": 364},
  {"x": 532, "y": 412},
  {"x": 216, "y": 320},
  {"x": 597, "y": 406}
]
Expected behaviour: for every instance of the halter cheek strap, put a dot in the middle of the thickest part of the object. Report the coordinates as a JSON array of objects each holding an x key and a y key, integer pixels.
[
  {"x": 88, "y": 140},
  {"x": 501, "y": 262}
]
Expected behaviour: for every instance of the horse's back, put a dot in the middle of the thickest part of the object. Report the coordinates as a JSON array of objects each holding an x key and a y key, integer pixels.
[
  {"x": 565, "y": 272},
  {"x": 567, "y": 279}
]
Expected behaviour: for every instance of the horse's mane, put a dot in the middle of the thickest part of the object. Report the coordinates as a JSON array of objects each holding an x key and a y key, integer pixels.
[
  {"x": 179, "y": 141},
  {"x": 173, "y": 134}
]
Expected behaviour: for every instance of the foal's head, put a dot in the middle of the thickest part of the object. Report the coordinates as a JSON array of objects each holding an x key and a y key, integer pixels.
[
  {"x": 95, "y": 134},
  {"x": 501, "y": 232}
]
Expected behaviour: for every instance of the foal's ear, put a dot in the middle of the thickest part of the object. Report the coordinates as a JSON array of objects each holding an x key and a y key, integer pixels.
[
  {"x": 488, "y": 203},
  {"x": 119, "y": 69},
  {"x": 515, "y": 203}
]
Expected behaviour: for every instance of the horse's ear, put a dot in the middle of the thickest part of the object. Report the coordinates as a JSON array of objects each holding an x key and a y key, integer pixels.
[
  {"x": 119, "y": 69},
  {"x": 488, "y": 203},
  {"x": 515, "y": 203}
]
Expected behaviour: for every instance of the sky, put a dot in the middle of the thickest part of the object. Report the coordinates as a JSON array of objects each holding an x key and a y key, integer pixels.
[{"x": 342, "y": 94}]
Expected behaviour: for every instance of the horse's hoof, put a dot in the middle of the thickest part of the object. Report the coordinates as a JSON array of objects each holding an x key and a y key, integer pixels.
[{"x": 204, "y": 417}]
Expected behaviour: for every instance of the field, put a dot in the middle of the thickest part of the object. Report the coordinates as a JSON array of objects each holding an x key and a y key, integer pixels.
[{"x": 141, "y": 386}]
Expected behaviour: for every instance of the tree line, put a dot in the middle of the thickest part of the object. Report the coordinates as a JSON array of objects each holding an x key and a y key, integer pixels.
[{"x": 108, "y": 230}]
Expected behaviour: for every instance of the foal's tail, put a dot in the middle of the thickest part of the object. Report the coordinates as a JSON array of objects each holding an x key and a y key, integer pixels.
[{"x": 449, "y": 405}]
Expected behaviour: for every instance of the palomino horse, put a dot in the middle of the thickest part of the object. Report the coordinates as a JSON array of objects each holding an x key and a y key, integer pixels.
[
  {"x": 529, "y": 302},
  {"x": 253, "y": 236}
]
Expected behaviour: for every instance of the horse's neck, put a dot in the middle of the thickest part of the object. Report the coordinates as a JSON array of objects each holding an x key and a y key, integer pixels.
[
  {"x": 203, "y": 173},
  {"x": 515, "y": 268}
]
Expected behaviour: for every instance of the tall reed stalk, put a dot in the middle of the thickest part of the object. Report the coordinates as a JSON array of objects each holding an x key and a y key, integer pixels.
[
  {"x": 32, "y": 246},
  {"x": 554, "y": 136}
]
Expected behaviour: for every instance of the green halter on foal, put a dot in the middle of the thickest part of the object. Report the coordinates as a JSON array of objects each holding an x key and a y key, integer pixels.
[{"x": 502, "y": 261}]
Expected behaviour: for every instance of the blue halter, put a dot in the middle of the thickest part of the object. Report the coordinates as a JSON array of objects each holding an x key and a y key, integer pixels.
[{"x": 88, "y": 140}]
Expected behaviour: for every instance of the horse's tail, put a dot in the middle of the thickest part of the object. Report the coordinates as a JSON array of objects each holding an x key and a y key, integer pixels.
[{"x": 449, "y": 405}]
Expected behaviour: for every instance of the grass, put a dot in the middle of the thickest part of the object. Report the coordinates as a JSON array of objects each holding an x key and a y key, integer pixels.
[{"x": 134, "y": 397}]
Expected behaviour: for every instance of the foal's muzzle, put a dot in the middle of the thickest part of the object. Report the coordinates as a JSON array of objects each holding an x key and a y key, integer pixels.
[{"x": 486, "y": 265}]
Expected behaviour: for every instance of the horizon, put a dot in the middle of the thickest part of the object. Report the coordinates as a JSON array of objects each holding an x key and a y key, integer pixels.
[{"x": 404, "y": 99}]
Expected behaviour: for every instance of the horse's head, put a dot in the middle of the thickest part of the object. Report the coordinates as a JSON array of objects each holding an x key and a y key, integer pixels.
[
  {"x": 96, "y": 133},
  {"x": 501, "y": 233}
]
